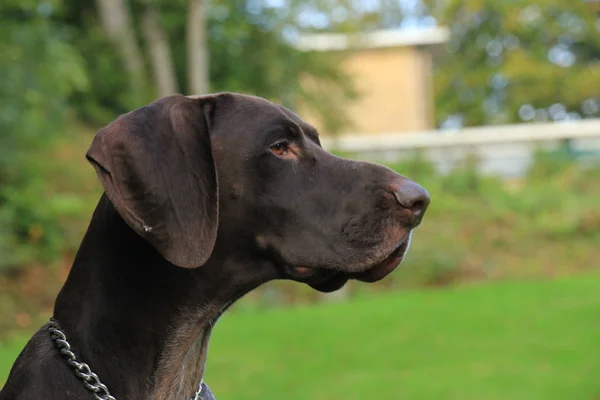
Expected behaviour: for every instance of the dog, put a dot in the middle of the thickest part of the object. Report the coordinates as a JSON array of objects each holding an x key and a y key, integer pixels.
[{"x": 205, "y": 198}]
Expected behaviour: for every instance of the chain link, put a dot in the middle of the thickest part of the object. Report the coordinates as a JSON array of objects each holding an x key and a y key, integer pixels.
[
  {"x": 198, "y": 392},
  {"x": 82, "y": 370}
]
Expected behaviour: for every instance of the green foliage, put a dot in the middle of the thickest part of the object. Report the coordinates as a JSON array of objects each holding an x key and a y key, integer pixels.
[
  {"x": 503, "y": 55},
  {"x": 40, "y": 70},
  {"x": 550, "y": 164},
  {"x": 108, "y": 94}
]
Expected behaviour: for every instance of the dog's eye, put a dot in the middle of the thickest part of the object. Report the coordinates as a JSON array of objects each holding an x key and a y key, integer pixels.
[{"x": 281, "y": 148}]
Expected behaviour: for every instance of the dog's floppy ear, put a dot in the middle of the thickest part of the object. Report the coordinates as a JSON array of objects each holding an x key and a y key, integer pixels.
[{"x": 157, "y": 169}]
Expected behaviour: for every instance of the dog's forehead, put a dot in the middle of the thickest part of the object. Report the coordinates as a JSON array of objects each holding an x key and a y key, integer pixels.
[
  {"x": 258, "y": 106},
  {"x": 253, "y": 115},
  {"x": 254, "y": 108},
  {"x": 286, "y": 113}
]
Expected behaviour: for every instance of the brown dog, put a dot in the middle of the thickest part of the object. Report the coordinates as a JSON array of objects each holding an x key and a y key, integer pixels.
[{"x": 206, "y": 198}]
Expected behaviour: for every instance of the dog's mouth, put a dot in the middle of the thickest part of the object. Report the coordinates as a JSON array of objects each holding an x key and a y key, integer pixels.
[
  {"x": 385, "y": 267},
  {"x": 327, "y": 280}
]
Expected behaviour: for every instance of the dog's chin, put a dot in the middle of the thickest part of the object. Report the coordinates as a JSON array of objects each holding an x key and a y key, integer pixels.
[
  {"x": 333, "y": 283},
  {"x": 325, "y": 280}
]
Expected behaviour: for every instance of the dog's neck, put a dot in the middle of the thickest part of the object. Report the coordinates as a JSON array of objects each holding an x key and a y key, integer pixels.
[{"x": 142, "y": 324}]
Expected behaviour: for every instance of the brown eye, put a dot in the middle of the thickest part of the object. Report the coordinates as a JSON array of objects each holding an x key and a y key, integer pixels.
[{"x": 281, "y": 148}]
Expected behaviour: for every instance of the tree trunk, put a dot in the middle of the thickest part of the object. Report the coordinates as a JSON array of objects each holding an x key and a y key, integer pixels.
[
  {"x": 116, "y": 22},
  {"x": 159, "y": 51},
  {"x": 197, "y": 53}
]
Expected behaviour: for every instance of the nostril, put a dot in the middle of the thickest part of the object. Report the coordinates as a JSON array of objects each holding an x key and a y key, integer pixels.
[{"x": 418, "y": 206}]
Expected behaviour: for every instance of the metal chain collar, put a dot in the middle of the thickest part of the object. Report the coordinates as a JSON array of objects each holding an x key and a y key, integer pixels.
[{"x": 82, "y": 370}]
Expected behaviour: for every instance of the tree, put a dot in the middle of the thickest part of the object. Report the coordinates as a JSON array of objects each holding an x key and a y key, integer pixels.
[
  {"x": 116, "y": 22},
  {"x": 522, "y": 60},
  {"x": 197, "y": 47},
  {"x": 250, "y": 45},
  {"x": 159, "y": 52}
]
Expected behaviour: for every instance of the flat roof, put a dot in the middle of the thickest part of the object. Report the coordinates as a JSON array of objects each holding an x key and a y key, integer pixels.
[{"x": 376, "y": 39}]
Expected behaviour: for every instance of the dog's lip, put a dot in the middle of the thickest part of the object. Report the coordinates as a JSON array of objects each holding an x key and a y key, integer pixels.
[
  {"x": 385, "y": 267},
  {"x": 373, "y": 273}
]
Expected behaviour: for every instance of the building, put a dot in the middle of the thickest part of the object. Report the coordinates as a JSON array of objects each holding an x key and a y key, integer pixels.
[{"x": 393, "y": 73}]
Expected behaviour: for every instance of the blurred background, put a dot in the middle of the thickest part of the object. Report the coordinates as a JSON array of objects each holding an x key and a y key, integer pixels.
[{"x": 493, "y": 106}]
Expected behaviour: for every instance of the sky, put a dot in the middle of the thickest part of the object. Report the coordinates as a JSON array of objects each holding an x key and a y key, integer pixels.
[{"x": 412, "y": 9}]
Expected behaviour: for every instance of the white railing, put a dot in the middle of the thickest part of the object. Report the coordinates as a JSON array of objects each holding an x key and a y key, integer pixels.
[
  {"x": 505, "y": 150},
  {"x": 468, "y": 137}
]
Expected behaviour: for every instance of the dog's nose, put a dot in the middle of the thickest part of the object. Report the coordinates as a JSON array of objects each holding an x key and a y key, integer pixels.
[{"x": 412, "y": 197}]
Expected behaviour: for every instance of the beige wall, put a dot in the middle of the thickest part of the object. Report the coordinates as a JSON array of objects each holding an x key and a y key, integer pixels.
[{"x": 395, "y": 90}]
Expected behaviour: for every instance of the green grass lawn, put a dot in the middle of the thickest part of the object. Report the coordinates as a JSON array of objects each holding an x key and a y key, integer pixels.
[{"x": 527, "y": 340}]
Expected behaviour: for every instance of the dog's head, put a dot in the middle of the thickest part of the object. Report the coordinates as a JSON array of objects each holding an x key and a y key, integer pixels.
[{"x": 188, "y": 173}]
